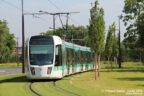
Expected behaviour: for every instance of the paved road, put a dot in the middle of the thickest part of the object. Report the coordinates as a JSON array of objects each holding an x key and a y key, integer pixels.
[{"x": 7, "y": 71}]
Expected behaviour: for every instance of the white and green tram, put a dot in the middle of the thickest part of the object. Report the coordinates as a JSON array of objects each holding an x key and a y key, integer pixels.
[{"x": 50, "y": 57}]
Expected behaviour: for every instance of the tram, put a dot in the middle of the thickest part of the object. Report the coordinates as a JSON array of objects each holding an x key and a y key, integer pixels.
[{"x": 50, "y": 57}]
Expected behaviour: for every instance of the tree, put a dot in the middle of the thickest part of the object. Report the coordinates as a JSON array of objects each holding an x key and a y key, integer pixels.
[
  {"x": 75, "y": 34},
  {"x": 132, "y": 11},
  {"x": 7, "y": 42},
  {"x": 110, "y": 43},
  {"x": 140, "y": 30},
  {"x": 96, "y": 33},
  {"x": 134, "y": 20},
  {"x": 115, "y": 49}
]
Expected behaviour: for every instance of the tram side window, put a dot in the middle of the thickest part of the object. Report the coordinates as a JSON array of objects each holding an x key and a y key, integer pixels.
[
  {"x": 58, "y": 61},
  {"x": 89, "y": 58},
  {"x": 68, "y": 56}
]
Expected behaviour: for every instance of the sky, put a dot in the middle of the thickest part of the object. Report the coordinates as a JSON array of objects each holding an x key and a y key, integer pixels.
[{"x": 10, "y": 10}]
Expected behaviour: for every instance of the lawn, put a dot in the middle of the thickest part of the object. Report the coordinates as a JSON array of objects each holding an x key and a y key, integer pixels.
[
  {"x": 7, "y": 65},
  {"x": 47, "y": 89},
  {"x": 119, "y": 82}
]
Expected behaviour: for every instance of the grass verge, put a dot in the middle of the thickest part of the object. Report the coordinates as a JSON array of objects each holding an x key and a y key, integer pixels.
[{"x": 8, "y": 65}]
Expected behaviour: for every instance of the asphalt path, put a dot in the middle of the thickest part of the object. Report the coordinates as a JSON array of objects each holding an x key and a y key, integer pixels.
[{"x": 7, "y": 71}]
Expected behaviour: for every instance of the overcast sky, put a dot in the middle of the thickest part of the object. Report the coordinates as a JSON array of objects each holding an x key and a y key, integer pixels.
[{"x": 10, "y": 10}]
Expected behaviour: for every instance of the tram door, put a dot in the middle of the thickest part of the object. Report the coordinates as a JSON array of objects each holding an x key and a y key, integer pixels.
[
  {"x": 68, "y": 61},
  {"x": 81, "y": 60},
  {"x": 58, "y": 56}
]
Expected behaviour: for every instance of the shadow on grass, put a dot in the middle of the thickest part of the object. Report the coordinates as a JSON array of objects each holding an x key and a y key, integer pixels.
[
  {"x": 15, "y": 79},
  {"x": 69, "y": 77},
  {"x": 131, "y": 79},
  {"x": 24, "y": 79},
  {"x": 140, "y": 85},
  {"x": 125, "y": 69}
]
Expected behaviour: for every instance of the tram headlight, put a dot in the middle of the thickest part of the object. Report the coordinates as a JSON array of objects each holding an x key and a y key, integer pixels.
[
  {"x": 49, "y": 70},
  {"x": 33, "y": 70}
]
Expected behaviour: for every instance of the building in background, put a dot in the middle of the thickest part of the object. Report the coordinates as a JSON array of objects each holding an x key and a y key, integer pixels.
[{"x": 18, "y": 51}]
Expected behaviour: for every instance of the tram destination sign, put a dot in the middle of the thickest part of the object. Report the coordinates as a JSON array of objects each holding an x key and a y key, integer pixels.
[{"x": 41, "y": 40}]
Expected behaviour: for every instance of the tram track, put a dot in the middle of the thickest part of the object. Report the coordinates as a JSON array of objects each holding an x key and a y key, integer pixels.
[
  {"x": 34, "y": 92},
  {"x": 54, "y": 84}
]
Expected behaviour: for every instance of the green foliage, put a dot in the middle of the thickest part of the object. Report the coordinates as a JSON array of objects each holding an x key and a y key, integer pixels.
[
  {"x": 109, "y": 41},
  {"x": 115, "y": 48},
  {"x": 77, "y": 35},
  {"x": 124, "y": 53},
  {"x": 140, "y": 30},
  {"x": 131, "y": 53},
  {"x": 134, "y": 20},
  {"x": 96, "y": 30},
  {"x": 7, "y": 42}
]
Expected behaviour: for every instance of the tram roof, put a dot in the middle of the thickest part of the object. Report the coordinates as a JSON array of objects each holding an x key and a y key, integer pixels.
[
  {"x": 75, "y": 46},
  {"x": 68, "y": 44}
]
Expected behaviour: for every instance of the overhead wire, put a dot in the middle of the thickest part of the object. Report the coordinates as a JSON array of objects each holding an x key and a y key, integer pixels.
[
  {"x": 54, "y": 5},
  {"x": 12, "y": 5},
  {"x": 72, "y": 19},
  {"x": 61, "y": 10}
]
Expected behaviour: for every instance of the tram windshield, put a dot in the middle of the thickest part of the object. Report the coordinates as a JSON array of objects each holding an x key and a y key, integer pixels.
[{"x": 41, "y": 53}]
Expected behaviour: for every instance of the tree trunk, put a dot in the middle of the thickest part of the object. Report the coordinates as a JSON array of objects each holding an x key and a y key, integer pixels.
[
  {"x": 95, "y": 66},
  {"x": 111, "y": 63},
  {"x": 108, "y": 64},
  {"x": 116, "y": 62},
  {"x": 140, "y": 57},
  {"x": 98, "y": 65}
]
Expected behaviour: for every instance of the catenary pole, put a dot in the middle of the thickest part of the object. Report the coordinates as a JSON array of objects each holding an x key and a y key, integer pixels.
[
  {"x": 54, "y": 23},
  {"x": 23, "y": 41},
  {"x": 119, "y": 45}
]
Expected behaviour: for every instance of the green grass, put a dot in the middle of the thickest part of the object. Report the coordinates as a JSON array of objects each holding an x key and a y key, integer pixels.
[
  {"x": 118, "y": 82},
  {"x": 47, "y": 89},
  {"x": 68, "y": 84},
  {"x": 112, "y": 81},
  {"x": 14, "y": 85},
  {"x": 7, "y": 65},
  {"x": 128, "y": 80}
]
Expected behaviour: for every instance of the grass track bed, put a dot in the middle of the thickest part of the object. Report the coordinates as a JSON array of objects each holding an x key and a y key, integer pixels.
[
  {"x": 118, "y": 82},
  {"x": 14, "y": 85},
  {"x": 47, "y": 89}
]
